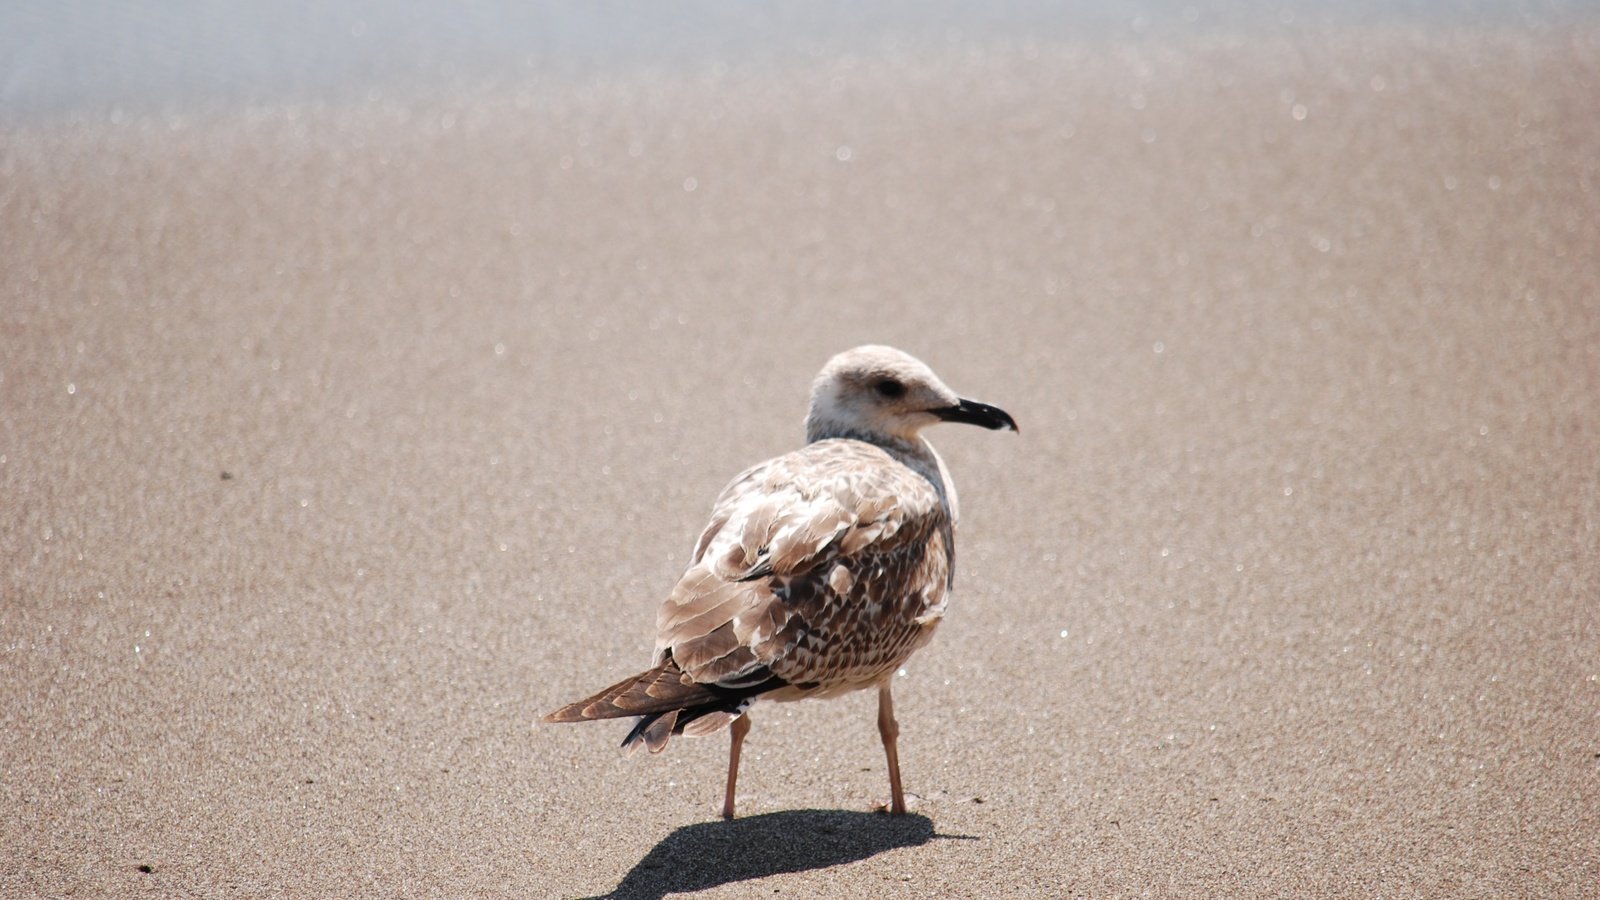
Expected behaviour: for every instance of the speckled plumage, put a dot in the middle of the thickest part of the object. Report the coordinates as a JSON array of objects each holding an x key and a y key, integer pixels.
[
  {"x": 826, "y": 567},
  {"x": 820, "y": 572}
]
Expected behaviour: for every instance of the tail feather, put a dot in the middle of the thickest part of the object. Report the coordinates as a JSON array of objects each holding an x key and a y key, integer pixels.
[
  {"x": 656, "y": 690},
  {"x": 655, "y": 730},
  {"x": 666, "y": 704}
]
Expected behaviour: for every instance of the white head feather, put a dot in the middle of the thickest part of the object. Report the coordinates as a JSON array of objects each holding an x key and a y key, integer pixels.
[{"x": 878, "y": 394}]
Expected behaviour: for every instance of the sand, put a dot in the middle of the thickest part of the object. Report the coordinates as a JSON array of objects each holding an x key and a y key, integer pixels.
[{"x": 342, "y": 438}]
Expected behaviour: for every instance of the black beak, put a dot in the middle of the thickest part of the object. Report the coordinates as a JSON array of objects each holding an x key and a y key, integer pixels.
[{"x": 974, "y": 413}]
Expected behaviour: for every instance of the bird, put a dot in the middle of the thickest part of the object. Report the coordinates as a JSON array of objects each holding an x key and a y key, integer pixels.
[{"x": 820, "y": 572}]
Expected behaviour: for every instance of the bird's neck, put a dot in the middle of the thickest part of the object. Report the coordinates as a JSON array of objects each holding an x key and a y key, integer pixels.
[{"x": 915, "y": 453}]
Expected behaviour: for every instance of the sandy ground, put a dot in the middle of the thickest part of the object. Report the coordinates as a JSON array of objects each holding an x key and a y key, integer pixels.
[{"x": 340, "y": 440}]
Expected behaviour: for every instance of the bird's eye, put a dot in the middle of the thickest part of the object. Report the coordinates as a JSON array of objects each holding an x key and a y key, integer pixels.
[{"x": 890, "y": 388}]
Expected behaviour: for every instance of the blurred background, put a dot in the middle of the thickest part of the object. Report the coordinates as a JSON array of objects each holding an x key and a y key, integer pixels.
[{"x": 77, "y": 56}]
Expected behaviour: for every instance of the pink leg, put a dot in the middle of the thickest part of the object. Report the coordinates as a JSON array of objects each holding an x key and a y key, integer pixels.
[
  {"x": 739, "y": 728},
  {"x": 889, "y": 730}
]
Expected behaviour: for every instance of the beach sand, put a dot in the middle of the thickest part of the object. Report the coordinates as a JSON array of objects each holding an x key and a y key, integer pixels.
[{"x": 341, "y": 439}]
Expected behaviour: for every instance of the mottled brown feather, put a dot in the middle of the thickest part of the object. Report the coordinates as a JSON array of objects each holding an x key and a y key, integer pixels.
[
  {"x": 834, "y": 502},
  {"x": 831, "y": 504},
  {"x": 656, "y": 690}
]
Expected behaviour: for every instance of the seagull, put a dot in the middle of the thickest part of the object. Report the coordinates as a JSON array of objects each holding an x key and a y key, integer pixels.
[{"x": 821, "y": 570}]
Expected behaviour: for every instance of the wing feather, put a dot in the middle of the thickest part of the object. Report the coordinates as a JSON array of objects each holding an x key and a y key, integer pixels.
[{"x": 762, "y": 593}]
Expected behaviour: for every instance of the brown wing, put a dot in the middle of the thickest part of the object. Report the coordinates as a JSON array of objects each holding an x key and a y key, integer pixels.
[
  {"x": 820, "y": 567},
  {"x": 666, "y": 702},
  {"x": 820, "y": 570}
]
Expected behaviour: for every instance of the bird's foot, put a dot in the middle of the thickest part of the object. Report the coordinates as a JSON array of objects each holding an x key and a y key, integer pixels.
[{"x": 891, "y": 808}]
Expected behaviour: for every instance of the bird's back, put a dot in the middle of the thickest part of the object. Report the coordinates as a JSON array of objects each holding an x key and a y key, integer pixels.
[{"x": 825, "y": 567}]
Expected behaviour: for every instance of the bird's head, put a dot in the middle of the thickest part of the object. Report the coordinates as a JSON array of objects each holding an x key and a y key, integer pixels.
[{"x": 880, "y": 392}]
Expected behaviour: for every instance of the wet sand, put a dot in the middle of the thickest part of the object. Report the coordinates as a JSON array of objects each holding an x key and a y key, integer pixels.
[{"x": 340, "y": 440}]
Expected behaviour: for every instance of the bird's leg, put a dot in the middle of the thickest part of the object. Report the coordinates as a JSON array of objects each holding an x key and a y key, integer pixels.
[
  {"x": 889, "y": 730},
  {"x": 739, "y": 728}
]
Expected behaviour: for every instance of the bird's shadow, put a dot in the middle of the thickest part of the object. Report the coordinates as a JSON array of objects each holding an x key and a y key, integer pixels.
[{"x": 709, "y": 854}]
